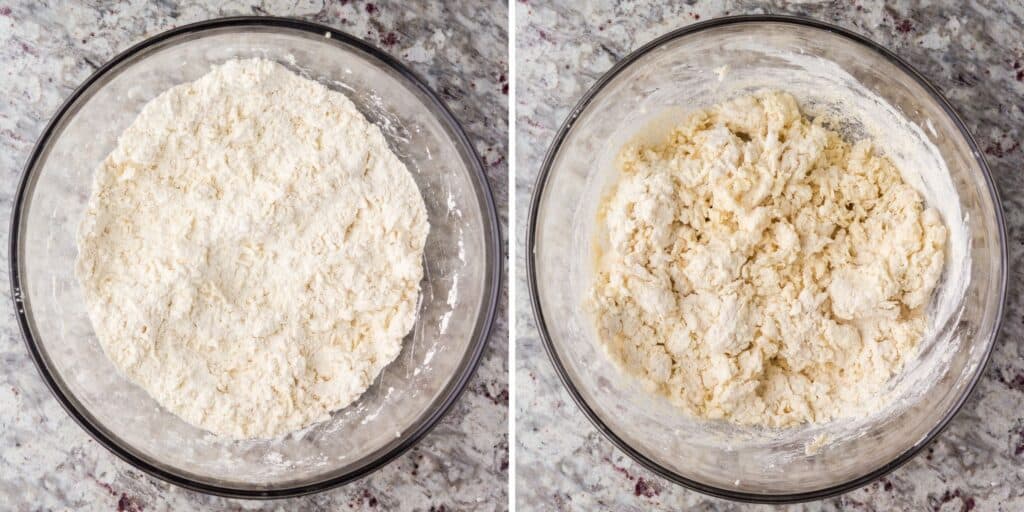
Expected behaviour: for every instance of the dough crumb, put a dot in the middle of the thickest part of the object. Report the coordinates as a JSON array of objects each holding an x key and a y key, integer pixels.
[
  {"x": 252, "y": 251},
  {"x": 758, "y": 269}
]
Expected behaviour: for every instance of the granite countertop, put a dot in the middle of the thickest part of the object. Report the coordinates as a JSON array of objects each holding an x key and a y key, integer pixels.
[
  {"x": 46, "y": 461},
  {"x": 974, "y": 53}
]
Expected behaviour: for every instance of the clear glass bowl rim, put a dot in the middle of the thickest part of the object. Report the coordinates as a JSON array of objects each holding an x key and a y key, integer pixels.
[
  {"x": 492, "y": 240},
  {"x": 538, "y": 313}
]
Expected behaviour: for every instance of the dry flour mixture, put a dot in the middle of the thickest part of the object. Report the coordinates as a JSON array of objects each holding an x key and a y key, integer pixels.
[
  {"x": 761, "y": 270},
  {"x": 252, "y": 251}
]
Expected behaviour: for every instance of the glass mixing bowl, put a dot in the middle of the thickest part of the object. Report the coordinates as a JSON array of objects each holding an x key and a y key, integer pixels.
[
  {"x": 459, "y": 292},
  {"x": 872, "y": 93}
]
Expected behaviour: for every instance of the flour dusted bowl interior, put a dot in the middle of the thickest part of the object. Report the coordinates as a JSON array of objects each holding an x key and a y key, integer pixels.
[
  {"x": 867, "y": 93},
  {"x": 457, "y": 294}
]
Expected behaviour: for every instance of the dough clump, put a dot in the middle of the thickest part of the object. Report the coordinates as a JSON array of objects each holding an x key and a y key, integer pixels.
[
  {"x": 760, "y": 270},
  {"x": 252, "y": 251}
]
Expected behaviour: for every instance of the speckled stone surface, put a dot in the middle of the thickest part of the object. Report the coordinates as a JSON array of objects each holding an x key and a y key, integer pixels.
[
  {"x": 46, "y": 461},
  {"x": 974, "y": 53}
]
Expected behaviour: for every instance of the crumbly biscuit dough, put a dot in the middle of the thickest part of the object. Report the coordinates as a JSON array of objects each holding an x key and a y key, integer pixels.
[
  {"x": 252, "y": 251},
  {"x": 759, "y": 269}
]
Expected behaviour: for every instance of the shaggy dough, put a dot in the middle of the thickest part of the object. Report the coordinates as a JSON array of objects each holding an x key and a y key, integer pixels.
[
  {"x": 759, "y": 269},
  {"x": 252, "y": 251}
]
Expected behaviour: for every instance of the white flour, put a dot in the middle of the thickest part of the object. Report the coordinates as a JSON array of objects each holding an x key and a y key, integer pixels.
[
  {"x": 252, "y": 251},
  {"x": 761, "y": 270}
]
